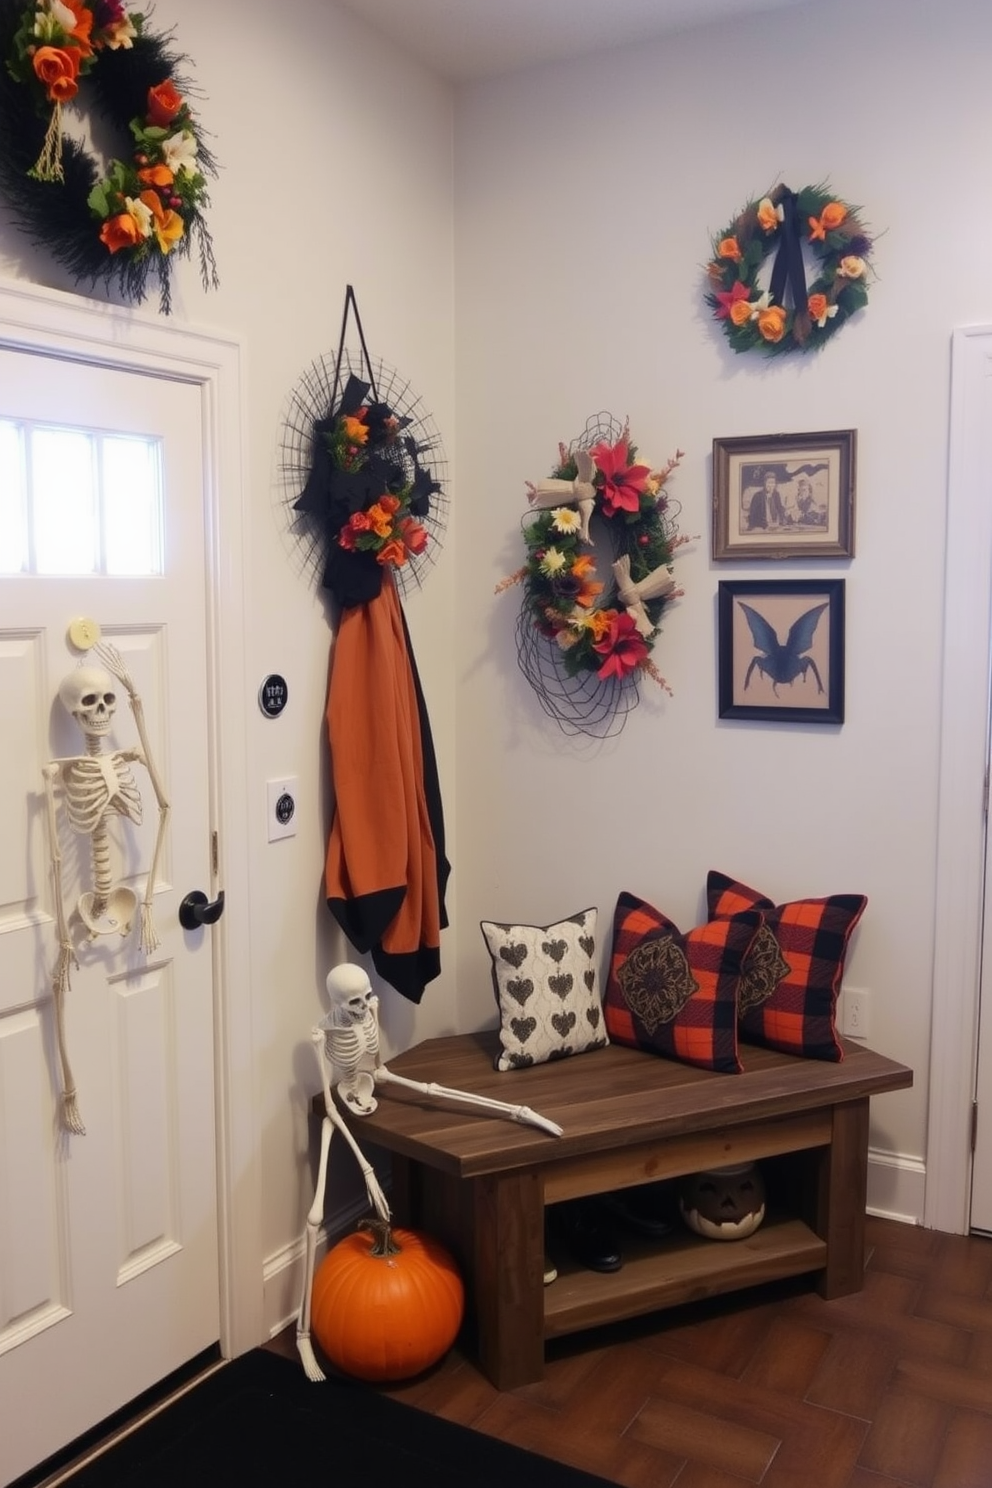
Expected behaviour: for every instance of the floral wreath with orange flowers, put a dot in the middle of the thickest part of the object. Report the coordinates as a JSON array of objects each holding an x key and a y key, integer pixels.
[
  {"x": 596, "y": 635},
  {"x": 790, "y": 315},
  {"x": 132, "y": 223}
]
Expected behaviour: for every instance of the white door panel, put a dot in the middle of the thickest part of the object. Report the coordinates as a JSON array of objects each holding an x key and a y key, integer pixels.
[{"x": 108, "y": 1241}]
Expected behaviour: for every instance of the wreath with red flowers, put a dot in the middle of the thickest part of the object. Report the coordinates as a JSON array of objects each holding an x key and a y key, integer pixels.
[
  {"x": 574, "y": 628},
  {"x": 790, "y": 315},
  {"x": 133, "y": 222}
]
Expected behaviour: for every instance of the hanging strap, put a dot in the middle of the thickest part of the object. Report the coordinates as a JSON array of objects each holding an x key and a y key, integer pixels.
[{"x": 351, "y": 308}]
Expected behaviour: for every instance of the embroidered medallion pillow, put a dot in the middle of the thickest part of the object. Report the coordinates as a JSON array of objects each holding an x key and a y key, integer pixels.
[
  {"x": 675, "y": 994},
  {"x": 546, "y": 980},
  {"x": 792, "y": 973}
]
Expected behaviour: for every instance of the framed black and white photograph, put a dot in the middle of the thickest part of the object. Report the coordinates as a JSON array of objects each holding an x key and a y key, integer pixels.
[
  {"x": 784, "y": 495},
  {"x": 781, "y": 650}
]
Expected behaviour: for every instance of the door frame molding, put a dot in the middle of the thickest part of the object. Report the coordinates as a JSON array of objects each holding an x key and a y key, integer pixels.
[
  {"x": 74, "y": 328},
  {"x": 964, "y": 756}
]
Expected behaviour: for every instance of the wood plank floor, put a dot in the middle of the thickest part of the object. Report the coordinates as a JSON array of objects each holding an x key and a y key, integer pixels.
[{"x": 891, "y": 1388}]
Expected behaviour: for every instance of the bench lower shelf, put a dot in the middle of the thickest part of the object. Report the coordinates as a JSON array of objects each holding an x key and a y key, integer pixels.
[{"x": 681, "y": 1268}]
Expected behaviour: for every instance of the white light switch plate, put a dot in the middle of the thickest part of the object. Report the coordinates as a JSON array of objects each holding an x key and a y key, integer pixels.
[{"x": 282, "y": 804}]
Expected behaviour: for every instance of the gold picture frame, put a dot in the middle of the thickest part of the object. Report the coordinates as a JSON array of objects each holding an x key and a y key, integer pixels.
[{"x": 784, "y": 495}]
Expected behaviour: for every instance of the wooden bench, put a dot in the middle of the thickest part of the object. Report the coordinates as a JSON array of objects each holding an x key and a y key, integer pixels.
[{"x": 481, "y": 1183}]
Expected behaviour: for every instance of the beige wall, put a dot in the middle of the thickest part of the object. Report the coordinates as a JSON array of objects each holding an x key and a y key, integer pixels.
[
  {"x": 564, "y": 240},
  {"x": 586, "y": 194}
]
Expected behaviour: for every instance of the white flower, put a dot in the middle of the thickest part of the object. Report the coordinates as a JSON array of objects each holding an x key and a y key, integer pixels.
[
  {"x": 566, "y": 639},
  {"x": 122, "y": 35},
  {"x": 141, "y": 214},
  {"x": 179, "y": 153},
  {"x": 761, "y": 303},
  {"x": 61, "y": 15},
  {"x": 564, "y": 519},
  {"x": 828, "y": 314},
  {"x": 553, "y": 562}
]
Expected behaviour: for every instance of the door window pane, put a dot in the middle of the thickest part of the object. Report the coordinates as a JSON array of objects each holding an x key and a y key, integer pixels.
[
  {"x": 13, "y": 515},
  {"x": 76, "y": 501}
]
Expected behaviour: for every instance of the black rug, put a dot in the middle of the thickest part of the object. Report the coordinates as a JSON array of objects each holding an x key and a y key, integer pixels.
[{"x": 259, "y": 1420}]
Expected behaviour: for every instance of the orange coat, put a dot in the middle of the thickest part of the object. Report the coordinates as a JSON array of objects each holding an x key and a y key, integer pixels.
[{"x": 386, "y": 870}]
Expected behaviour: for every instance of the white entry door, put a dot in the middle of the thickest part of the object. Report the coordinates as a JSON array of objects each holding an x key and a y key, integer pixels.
[{"x": 108, "y": 1241}]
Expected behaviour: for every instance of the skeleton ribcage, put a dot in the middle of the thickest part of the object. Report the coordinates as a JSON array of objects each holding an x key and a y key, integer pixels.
[
  {"x": 96, "y": 785},
  {"x": 353, "y": 1048}
]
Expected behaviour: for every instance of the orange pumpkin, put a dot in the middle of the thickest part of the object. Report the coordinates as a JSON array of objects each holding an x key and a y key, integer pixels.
[{"x": 386, "y": 1303}]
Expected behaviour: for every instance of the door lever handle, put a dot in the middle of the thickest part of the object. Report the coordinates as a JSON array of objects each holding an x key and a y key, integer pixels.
[{"x": 196, "y": 909}]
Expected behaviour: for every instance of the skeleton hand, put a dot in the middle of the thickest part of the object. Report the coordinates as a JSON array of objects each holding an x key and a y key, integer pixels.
[{"x": 114, "y": 662}]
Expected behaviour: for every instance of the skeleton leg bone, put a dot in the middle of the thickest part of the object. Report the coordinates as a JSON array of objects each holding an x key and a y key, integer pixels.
[{"x": 524, "y": 1114}]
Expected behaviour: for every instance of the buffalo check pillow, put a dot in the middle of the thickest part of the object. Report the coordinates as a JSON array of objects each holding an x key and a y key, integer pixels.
[
  {"x": 675, "y": 994},
  {"x": 792, "y": 973},
  {"x": 546, "y": 980}
]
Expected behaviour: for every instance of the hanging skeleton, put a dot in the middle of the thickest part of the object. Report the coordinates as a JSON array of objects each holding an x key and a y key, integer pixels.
[
  {"x": 93, "y": 789},
  {"x": 346, "y": 1044}
]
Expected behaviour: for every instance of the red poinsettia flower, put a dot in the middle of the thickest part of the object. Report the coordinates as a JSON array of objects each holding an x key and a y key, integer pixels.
[
  {"x": 622, "y": 483},
  {"x": 727, "y": 299},
  {"x": 623, "y": 647}
]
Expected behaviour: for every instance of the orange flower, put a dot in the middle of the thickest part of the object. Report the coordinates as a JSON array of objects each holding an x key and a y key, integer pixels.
[
  {"x": 120, "y": 232},
  {"x": 583, "y": 566},
  {"x": 164, "y": 103},
  {"x": 57, "y": 68},
  {"x": 771, "y": 323},
  {"x": 80, "y": 32},
  {"x": 740, "y": 312},
  {"x": 729, "y": 248},
  {"x": 169, "y": 228},
  {"x": 156, "y": 175},
  {"x": 381, "y": 520},
  {"x": 414, "y": 535},
  {"x": 817, "y": 306},
  {"x": 589, "y": 591},
  {"x": 394, "y": 552},
  {"x": 355, "y": 429},
  {"x": 833, "y": 214},
  {"x": 767, "y": 215},
  {"x": 389, "y": 503},
  {"x": 599, "y": 622}
]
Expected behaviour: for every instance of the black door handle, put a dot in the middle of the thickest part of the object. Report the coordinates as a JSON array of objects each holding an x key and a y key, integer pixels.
[{"x": 196, "y": 909}]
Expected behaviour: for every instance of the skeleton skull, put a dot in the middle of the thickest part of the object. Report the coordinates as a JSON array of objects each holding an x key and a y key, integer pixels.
[
  {"x": 88, "y": 694},
  {"x": 350, "y": 992}
]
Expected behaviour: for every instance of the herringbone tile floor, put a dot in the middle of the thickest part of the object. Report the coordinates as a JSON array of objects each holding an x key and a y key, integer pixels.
[{"x": 891, "y": 1388}]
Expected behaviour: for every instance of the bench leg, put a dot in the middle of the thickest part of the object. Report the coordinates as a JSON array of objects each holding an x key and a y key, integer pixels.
[
  {"x": 509, "y": 1277},
  {"x": 842, "y": 1192}
]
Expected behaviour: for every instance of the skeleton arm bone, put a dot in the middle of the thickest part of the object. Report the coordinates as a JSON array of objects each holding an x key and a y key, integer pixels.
[
  {"x": 114, "y": 662},
  {"x": 524, "y": 1114},
  {"x": 376, "y": 1196},
  {"x": 68, "y": 1109}
]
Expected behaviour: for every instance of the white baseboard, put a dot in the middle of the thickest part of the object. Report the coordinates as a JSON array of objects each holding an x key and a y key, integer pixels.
[
  {"x": 283, "y": 1270},
  {"x": 896, "y": 1186}
]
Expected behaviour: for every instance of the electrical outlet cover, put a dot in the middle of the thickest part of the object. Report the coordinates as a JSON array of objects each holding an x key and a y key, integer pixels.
[{"x": 281, "y": 803}]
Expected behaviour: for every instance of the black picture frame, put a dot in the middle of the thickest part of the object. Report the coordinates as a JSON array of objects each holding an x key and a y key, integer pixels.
[
  {"x": 813, "y": 490},
  {"x": 754, "y": 680}
]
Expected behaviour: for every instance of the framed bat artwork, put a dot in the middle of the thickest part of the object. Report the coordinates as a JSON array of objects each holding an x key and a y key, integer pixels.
[
  {"x": 781, "y": 650},
  {"x": 784, "y": 495}
]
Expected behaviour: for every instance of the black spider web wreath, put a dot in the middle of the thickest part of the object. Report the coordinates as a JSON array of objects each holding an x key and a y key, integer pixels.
[
  {"x": 130, "y": 225},
  {"x": 404, "y": 460},
  {"x": 572, "y": 684}
]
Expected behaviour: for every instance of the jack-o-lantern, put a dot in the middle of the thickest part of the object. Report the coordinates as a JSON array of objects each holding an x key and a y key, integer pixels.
[{"x": 724, "y": 1203}]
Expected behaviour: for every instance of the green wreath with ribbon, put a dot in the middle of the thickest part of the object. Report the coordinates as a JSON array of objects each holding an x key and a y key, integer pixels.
[
  {"x": 134, "y": 221},
  {"x": 790, "y": 315}
]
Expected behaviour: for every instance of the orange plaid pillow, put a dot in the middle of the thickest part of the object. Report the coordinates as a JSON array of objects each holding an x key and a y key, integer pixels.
[
  {"x": 792, "y": 973},
  {"x": 675, "y": 994}
]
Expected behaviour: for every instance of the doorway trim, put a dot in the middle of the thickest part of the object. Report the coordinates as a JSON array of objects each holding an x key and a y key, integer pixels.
[
  {"x": 73, "y": 328},
  {"x": 964, "y": 755}
]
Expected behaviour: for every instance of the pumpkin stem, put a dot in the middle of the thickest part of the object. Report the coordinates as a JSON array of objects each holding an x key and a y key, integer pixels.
[{"x": 384, "y": 1243}]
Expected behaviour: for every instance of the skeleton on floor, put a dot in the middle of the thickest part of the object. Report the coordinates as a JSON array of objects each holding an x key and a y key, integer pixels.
[
  {"x": 346, "y": 1044},
  {"x": 92, "y": 789}
]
